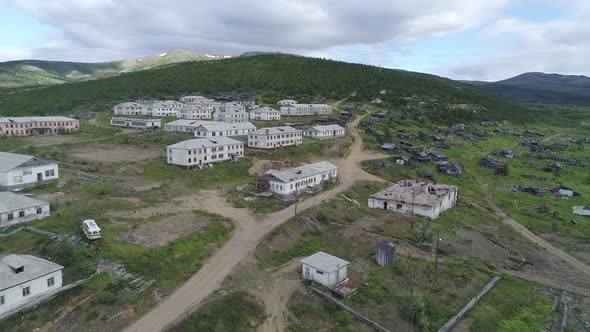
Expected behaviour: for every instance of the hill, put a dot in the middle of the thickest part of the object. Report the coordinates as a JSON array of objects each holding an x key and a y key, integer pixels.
[
  {"x": 38, "y": 73},
  {"x": 270, "y": 77},
  {"x": 540, "y": 88}
]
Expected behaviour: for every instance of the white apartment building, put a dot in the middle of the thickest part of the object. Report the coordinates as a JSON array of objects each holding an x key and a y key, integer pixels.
[
  {"x": 16, "y": 209},
  {"x": 130, "y": 108},
  {"x": 182, "y": 125},
  {"x": 217, "y": 129},
  {"x": 136, "y": 123},
  {"x": 164, "y": 108},
  {"x": 231, "y": 116},
  {"x": 195, "y": 100},
  {"x": 25, "y": 278},
  {"x": 294, "y": 181},
  {"x": 423, "y": 199},
  {"x": 18, "y": 170},
  {"x": 265, "y": 114},
  {"x": 305, "y": 109},
  {"x": 324, "y": 131},
  {"x": 38, "y": 125},
  {"x": 286, "y": 102},
  {"x": 194, "y": 112},
  {"x": 275, "y": 137},
  {"x": 200, "y": 152}
]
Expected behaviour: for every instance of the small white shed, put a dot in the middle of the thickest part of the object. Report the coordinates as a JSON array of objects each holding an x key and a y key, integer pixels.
[{"x": 325, "y": 269}]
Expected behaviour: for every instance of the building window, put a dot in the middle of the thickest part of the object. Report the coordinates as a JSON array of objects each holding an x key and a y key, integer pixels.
[
  {"x": 50, "y": 281},
  {"x": 399, "y": 206},
  {"x": 319, "y": 272},
  {"x": 26, "y": 291},
  {"x": 2, "y": 301},
  {"x": 39, "y": 210},
  {"x": 21, "y": 214},
  {"x": 10, "y": 216},
  {"x": 49, "y": 172}
]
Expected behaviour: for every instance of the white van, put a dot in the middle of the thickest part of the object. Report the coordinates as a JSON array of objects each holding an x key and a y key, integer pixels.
[{"x": 91, "y": 229}]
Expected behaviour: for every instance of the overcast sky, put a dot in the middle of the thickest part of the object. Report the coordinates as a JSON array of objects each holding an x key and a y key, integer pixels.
[{"x": 461, "y": 39}]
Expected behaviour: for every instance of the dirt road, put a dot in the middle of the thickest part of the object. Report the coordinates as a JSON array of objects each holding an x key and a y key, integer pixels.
[{"x": 248, "y": 233}]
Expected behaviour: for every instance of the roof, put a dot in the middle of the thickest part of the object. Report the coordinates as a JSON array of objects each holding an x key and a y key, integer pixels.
[
  {"x": 421, "y": 193},
  {"x": 92, "y": 226},
  {"x": 34, "y": 267},
  {"x": 324, "y": 262},
  {"x": 10, "y": 161},
  {"x": 265, "y": 110},
  {"x": 301, "y": 172},
  {"x": 385, "y": 245},
  {"x": 331, "y": 127},
  {"x": 136, "y": 119},
  {"x": 275, "y": 130},
  {"x": 130, "y": 103},
  {"x": 11, "y": 201},
  {"x": 35, "y": 119},
  {"x": 187, "y": 123},
  {"x": 310, "y": 105},
  {"x": 200, "y": 143},
  {"x": 223, "y": 126}
]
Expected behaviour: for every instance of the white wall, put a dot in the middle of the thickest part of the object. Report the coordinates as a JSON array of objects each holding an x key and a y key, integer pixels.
[
  {"x": 13, "y": 297},
  {"x": 203, "y": 156},
  {"x": 289, "y": 189},
  {"x": 30, "y": 214},
  {"x": 264, "y": 141},
  {"x": 8, "y": 179},
  {"x": 406, "y": 207},
  {"x": 324, "y": 278}
]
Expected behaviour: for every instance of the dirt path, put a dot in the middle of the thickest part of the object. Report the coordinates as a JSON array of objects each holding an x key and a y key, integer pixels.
[
  {"x": 276, "y": 299},
  {"x": 248, "y": 233}
]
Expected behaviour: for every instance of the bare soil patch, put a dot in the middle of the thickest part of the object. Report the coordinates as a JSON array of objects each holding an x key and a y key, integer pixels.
[
  {"x": 115, "y": 154},
  {"x": 475, "y": 244},
  {"x": 39, "y": 141},
  {"x": 157, "y": 234}
]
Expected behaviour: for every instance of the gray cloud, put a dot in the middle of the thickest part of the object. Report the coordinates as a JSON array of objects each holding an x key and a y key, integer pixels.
[{"x": 99, "y": 29}]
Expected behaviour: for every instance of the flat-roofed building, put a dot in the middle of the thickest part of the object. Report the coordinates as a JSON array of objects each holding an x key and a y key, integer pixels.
[
  {"x": 194, "y": 112},
  {"x": 231, "y": 116},
  {"x": 410, "y": 196},
  {"x": 195, "y": 100},
  {"x": 217, "y": 129},
  {"x": 188, "y": 126},
  {"x": 37, "y": 125},
  {"x": 19, "y": 170},
  {"x": 305, "y": 109},
  {"x": 16, "y": 209},
  {"x": 286, "y": 102},
  {"x": 275, "y": 137},
  {"x": 265, "y": 114},
  {"x": 164, "y": 108},
  {"x": 130, "y": 108},
  {"x": 137, "y": 123},
  {"x": 295, "y": 181},
  {"x": 200, "y": 152},
  {"x": 324, "y": 131},
  {"x": 325, "y": 269}
]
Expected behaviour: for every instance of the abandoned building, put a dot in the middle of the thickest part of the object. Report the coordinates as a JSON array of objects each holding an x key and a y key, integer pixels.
[
  {"x": 564, "y": 191},
  {"x": 324, "y": 269},
  {"x": 411, "y": 196},
  {"x": 437, "y": 156},
  {"x": 384, "y": 163},
  {"x": 421, "y": 157},
  {"x": 500, "y": 166},
  {"x": 506, "y": 153},
  {"x": 529, "y": 142},
  {"x": 390, "y": 146},
  {"x": 402, "y": 160},
  {"x": 582, "y": 210},
  {"x": 450, "y": 168},
  {"x": 525, "y": 188}
]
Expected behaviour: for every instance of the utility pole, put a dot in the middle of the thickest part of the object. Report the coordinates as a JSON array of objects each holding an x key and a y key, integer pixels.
[
  {"x": 413, "y": 200},
  {"x": 436, "y": 255},
  {"x": 296, "y": 197}
]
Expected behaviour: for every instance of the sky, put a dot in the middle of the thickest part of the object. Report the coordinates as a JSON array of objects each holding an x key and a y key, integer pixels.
[{"x": 460, "y": 39}]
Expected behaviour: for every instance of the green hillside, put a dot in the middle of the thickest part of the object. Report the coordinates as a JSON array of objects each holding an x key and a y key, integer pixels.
[
  {"x": 270, "y": 77},
  {"x": 26, "y": 74}
]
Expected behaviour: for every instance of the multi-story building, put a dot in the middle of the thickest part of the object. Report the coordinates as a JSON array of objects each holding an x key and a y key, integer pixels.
[
  {"x": 184, "y": 125},
  {"x": 194, "y": 112},
  {"x": 305, "y": 109},
  {"x": 217, "y": 129},
  {"x": 164, "y": 108},
  {"x": 16, "y": 209},
  {"x": 19, "y": 170},
  {"x": 136, "y": 123},
  {"x": 411, "y": 196},
  {"x": 295, "y": 181},
  {"x": 231, "y": 116},
  {"x": 37, "y": 125},
  {"x": 275, "y": 137},
  {"x": 324, "y": 131},
  {"x": 25, "y": 279},
  {"x": 196, "y": 100},
  {"x": 130, "y": 108},
  {"x": 265, "y": 114},
  {"x": 286, "y": 102},
  {"x": 200, "y": 152}
]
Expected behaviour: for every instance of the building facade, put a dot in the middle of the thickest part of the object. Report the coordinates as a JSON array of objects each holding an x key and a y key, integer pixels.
[
  {"x": 305, "y": 109},
  {"x": 38, "y": 125},
  {"x": 130, "y": 108},
  {"x": 136, "y": 123},
  {"x": 275, "y": 137},
  {"x": 187, "y": 126},
  {"x": 286, "y": 102},
  {"x": 163, "y": 108},
  {"x": 24, "y": 278},
  {"x": 409, "y": 196},
  {"x": 218, "y": 129},
  {"x": 19, "y": 171},
  {"x": 203, "y": 151},
  {"x": 194, "y": 112},
  {"x": 16, "y": 209},
  {"x": 265, "y": 114},
  {"x": 324, "y": 269},
  {"x": 324, "y": 131},
  {"x": 295, "y": 181},
  {"x": 231, "y": 116}
]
